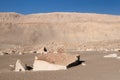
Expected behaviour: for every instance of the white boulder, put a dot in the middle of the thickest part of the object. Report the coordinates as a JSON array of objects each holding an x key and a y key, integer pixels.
[
  {"x": 19, "y": 66},
  {"x": 53, "y": 61},
  {"x": 40, "y": 65}
]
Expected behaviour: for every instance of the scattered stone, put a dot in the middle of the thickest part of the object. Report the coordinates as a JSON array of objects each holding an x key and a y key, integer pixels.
[
  {"x": 116, "y": 50},
  {"x": 51, "y": 61},
  {"x": 1, "y": 53},
  {"x": 90, "y": 50},
  {"x": 111, "y": 56},
  {"x": 12, "y": 52},
  {"x": 5, "y": 53},
  {"x": 19, "y": 66},
  {"x": 83, "y": 64},
  {"x": 33, "y": 52},
  {"x": 42, "y": 51},
  {"x": 12, "y": 67},
  {"x": 118, "y": 57},
  {"x": 20, "y": 53}
]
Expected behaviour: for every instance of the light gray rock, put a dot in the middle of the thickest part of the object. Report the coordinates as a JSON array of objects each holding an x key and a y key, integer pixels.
[
  {"x": 111, "y": 56},
  {"x": 19, "y": 66}
]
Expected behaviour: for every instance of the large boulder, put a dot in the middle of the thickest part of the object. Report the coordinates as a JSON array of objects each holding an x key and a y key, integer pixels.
[
  {"x": 44, "y": 65},
  {"x": 53, "y": 61}
]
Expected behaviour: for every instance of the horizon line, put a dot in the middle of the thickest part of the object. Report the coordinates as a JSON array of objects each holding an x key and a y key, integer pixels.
[{"x": 59, "y": 12}]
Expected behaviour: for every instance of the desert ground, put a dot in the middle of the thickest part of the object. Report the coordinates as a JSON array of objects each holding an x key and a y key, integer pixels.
[
  {"x": 91, "y": 35},
  {"x": 96, "y": 68}
]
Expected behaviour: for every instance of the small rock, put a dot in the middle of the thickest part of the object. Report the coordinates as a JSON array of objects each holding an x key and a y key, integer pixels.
[
  {"x": 19, "y": 66},
  {"x": 110, "y": 56},
  {"x": 36, "y": 58},
  {"x": 1, "y": 53},
  {"x": 12, "y": 67},
  {"x": 33, "y": 51},
  {"x": 83, "y": 64},
  {"x": 5, "y": 53},
  {"x": 20, "y": 53},
  {"x": 42, "y": 51}
]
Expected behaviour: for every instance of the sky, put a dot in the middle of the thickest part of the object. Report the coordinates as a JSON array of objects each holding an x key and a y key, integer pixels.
[{"x": 45, "y": 6}]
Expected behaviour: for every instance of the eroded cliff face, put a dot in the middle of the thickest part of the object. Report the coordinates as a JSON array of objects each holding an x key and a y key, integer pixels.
[{"x": 71, "y": 28}]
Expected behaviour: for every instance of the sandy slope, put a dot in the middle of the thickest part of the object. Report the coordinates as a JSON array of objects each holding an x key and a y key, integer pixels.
[{"x": 71, "y": 28}]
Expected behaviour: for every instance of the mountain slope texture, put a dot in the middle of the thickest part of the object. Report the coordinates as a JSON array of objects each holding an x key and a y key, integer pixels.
[{"x": 69, "y": 28}]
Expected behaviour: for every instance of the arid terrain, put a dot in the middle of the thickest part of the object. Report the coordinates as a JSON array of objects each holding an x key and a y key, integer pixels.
[
  {"x": 92, "y": 36},
  {"x": 97, "y": 68},
  {"x": 73, "y": 30}
]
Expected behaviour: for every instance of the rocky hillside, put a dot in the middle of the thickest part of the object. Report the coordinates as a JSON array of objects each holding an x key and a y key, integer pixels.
[{"x": 70, "y": 28}]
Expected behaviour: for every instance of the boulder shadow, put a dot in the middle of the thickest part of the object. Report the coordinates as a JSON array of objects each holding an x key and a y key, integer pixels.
[
  {"x": 76, "y": 63},
  {"x": 28, "y": 67}
]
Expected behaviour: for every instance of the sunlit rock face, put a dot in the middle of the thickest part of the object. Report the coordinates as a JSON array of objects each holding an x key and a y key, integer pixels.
[
  {"x": 40, "y": 65},
  {"x": 19, "y": 66},
  {"x": 54, "y": 61}
]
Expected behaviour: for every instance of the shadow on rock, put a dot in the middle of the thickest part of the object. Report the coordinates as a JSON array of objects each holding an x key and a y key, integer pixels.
[{"x": 76, "y": 63}]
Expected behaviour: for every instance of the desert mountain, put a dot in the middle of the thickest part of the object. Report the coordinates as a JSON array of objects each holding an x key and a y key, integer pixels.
[{"x": 71, "y": 28}]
